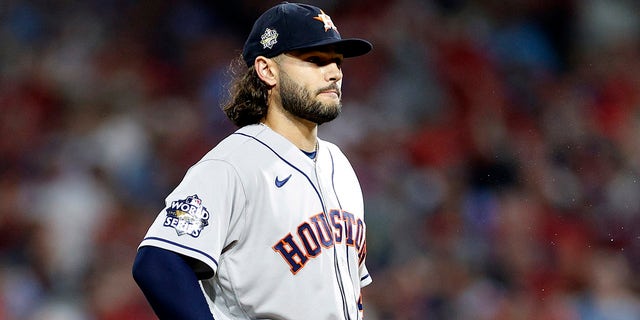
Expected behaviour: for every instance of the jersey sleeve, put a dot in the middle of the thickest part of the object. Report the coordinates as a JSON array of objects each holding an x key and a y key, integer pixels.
[
  {"x": 202, "y": 215},
  {"x": 365, "y": 277}
]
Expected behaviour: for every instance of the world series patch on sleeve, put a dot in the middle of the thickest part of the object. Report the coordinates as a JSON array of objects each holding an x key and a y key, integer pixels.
[{"x": 187, "y": 216}]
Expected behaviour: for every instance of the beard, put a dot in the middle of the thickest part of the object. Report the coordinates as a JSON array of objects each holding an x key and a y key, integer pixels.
[{"x": 301, "y": 103}]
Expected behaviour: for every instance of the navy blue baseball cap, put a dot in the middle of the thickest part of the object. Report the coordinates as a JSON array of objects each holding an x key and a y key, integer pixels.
[{"x": 293, "y": 26}]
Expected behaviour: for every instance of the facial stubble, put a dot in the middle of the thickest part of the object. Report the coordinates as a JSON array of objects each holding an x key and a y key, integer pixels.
[{"x": 301, "y": 103}]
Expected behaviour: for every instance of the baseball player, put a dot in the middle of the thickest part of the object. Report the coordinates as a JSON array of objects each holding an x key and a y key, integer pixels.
[{"x": 270, "y": 223}]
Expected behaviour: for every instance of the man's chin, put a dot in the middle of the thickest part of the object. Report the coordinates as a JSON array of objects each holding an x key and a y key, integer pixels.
[{"x": 325, "y": 117}]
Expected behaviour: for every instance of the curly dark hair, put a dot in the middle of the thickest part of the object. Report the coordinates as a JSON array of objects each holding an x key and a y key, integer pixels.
[{"x": 247, "y": 100}]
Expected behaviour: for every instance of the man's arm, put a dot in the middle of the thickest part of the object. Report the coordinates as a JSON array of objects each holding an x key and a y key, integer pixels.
[{"x": 169, "y": 284}]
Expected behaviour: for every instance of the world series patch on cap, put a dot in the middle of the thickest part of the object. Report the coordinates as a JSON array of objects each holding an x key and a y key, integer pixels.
[{"x": 294, "y": 26}]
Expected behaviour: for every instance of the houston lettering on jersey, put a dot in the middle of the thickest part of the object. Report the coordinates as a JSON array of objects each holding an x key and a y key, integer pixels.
[{"x": 322, "y": 232}]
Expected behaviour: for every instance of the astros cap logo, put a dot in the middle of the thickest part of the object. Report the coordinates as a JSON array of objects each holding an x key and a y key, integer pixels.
[{"x": 326, "y": 19}]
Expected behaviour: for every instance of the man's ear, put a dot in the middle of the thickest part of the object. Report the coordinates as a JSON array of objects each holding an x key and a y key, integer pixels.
[{"x": 267, "y": 70}]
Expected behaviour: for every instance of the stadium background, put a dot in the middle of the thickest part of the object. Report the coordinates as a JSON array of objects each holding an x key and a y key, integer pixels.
[{"x": 497, "y": 143}]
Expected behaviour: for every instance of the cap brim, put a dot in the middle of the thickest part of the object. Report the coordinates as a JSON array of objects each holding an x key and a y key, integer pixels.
[{"x": 352, "y": 47}]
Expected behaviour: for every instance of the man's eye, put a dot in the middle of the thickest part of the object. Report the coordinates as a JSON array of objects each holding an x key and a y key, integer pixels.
[{"x": 320, "y": 61}]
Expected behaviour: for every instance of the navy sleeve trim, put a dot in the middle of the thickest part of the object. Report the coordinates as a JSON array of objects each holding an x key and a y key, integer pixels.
[{"x": 183, "y": 247}]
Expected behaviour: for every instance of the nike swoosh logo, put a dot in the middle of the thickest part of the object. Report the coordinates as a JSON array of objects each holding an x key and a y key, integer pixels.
[{"x": 280, "y": 183}]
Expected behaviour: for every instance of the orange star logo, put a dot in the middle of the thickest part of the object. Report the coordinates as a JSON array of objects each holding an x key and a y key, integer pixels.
[{"x": 328, "y": 24}]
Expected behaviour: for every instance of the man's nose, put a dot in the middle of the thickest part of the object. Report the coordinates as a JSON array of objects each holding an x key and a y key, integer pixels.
[{"x": 333, "y": 72}]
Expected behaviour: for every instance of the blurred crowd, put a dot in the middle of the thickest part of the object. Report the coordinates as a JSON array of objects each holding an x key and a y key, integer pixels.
[{"x": 497, "y": 144}]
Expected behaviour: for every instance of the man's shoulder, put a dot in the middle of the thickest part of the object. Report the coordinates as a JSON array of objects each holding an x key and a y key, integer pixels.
[
  {"x": 238, "y": 145},
  {"x": 333, "y": 148}
]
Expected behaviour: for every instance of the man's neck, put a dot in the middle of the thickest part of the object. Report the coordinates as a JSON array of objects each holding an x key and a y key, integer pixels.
[{"x": 302, "y": 133}]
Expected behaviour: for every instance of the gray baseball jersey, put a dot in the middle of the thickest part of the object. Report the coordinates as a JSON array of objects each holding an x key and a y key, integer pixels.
[{"x": 284, "y": 233}]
